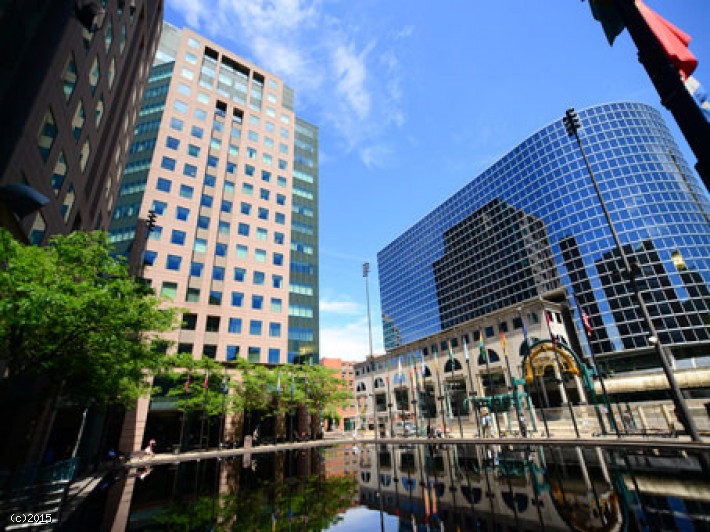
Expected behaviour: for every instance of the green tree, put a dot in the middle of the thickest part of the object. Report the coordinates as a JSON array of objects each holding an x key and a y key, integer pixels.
[
  {"x": 324, "y": 393},
  {"x": 71, "y": 313}
]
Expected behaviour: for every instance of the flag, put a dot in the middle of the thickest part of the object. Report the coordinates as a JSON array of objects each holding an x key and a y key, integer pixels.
[
  {"x": 207, "y": 379},
  {"x": 548, "y": 319},
  {"x": 525, "y": 331},
  {"x": 673, "y": 40},
  {"x": 278, "y": 380},
  {"x": 503, "y": 341},
  {"x": 482, "y": 349},
  {"x": 465, "y": 349},
  {"x": 587, "y": 324},
  {"x": 400, "y": 374},
  {"x": 699, "y": 94},
  {"x": 605, "y": 12},
  {"x": 451, "y": 358},
  {"x": 292, "y": 384}
]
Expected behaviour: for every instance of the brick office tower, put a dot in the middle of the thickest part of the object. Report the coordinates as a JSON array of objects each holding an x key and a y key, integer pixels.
[
  {"x": 232, "y": 176},
  {"x": 72, "y": 76}
]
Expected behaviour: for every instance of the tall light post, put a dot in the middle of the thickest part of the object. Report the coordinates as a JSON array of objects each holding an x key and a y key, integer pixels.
[
  {"x": 365, "y": 274},
  {"x": 572, "y": 125}
]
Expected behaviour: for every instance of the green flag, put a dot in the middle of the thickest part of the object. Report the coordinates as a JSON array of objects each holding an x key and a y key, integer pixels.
[{"x": 605, "y": 12}]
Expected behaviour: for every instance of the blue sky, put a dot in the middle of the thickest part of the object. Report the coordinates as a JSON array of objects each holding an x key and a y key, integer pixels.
[{"x": 415, "y": 98}]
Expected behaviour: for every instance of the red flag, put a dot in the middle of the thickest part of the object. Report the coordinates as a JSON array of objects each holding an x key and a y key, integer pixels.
[
  {"x": 673, "y": 40},
  {"x": 548, "y": 318},
  {"x": 587, "y": 324},
  {"x": 207, "y": 378}
]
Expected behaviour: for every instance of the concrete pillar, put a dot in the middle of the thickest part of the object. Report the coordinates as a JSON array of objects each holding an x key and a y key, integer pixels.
[
  {"x": 561, "y": 386},
  {"x": 642, "y": 417},
  {"x": 583, "y": 399},
  {"x": 134, "y": 426}
]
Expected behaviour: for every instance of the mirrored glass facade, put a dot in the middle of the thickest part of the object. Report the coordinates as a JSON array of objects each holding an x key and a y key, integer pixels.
[{"x": 531, "y": 225}]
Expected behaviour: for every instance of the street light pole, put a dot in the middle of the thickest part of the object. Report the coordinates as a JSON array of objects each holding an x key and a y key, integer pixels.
[{"x": 572, "y": 124}]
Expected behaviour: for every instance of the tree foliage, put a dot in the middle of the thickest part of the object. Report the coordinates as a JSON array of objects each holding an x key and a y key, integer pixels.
[{"x": 70, "y": 312}]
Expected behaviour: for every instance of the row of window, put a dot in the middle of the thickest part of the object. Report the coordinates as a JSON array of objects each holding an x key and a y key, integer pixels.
[
  {"x": 169, "y": 290},
  {"x": 234, "y": 325},
  {"x": 232, "y": 352}
]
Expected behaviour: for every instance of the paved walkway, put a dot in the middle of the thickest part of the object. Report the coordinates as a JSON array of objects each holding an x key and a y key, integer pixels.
[{"x": 563, "y": 440}]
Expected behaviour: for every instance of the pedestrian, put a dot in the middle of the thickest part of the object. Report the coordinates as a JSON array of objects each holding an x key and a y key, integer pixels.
[
  {"x": 486, "y": 423},
  {"x": 523, "y": 426},
  {"x": 150, "y": 449},
  {"x": 627, "y": 421},
  {"x": 438, "y": 431}
]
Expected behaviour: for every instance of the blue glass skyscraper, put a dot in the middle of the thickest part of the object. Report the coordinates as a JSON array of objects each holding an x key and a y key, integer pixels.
[{"x": 531, "y": 226}]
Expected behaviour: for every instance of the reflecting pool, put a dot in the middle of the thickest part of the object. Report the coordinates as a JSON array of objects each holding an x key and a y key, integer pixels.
[{"x": 410, "y": 487}]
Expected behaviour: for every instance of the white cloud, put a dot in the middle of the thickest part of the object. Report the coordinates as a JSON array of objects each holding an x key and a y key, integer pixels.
[
  {"x": 339, "y": 75},
  {"x": 350, "y": 341},
  {"x": 375, "y": 156},
  {"x": 404, "y": 32},
  {"x": 339, "y": 307}
]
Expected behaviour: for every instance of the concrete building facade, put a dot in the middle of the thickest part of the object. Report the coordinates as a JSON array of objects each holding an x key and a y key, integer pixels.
[{"x": 72, "y": 78}]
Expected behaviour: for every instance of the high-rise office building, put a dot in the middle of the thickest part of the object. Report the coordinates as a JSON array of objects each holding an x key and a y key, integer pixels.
[
  {"x": 531, "y": 227},
  {"x": 72, "y": 76},
  {"x": 230, "y": 175}
]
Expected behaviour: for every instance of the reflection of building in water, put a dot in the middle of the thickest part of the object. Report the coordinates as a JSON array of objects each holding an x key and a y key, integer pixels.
[
  {"x": 483, "y": 488},
  {"x": 497, "y": 257}
]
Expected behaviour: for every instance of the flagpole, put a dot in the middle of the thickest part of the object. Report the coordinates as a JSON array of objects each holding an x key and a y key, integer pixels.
[
  {"x": 553, "y": 338},
  {"x": 389, "y": 397},
  {"x": 486, "y": 359},
  {"x": 535, "y": 384},
  {"x": 184, "y": 413},
  {"x": 453, "y": 372},
  {"x": 472, "y": 392},
  {"x": 589, "y": 333},
  {"x": 513, "y": 386},
  {"x": 441, "y": 395}
]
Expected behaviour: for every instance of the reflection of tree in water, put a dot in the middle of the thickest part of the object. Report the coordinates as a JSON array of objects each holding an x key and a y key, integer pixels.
[{"x": 311, "y": 503}]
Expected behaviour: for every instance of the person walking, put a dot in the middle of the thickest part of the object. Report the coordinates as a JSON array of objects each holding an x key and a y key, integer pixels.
[{"x": 486, "y": 423}]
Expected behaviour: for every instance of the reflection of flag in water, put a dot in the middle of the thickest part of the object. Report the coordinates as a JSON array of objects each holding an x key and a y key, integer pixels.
[
  {"x": 587, "y": 324},
  {"x": 699, "y": 94},
  {"x": 273, "y": 522}
]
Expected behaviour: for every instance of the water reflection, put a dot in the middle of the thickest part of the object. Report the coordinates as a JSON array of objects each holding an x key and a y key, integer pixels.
[{"x": 424, "y": 487}]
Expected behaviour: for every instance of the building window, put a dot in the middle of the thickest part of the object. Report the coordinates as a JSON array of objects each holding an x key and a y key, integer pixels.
[
  {"x": 274, "y": 355},
  {"x": 276, "y": 304},
  {"x": 167, "y": 163},
  {"x": 189, "y": 322},
  {"x": 277, "y": 281},
  {"x": 275, "y": 330},
  {"x": 255, "y": 327},
  {"x": 215, "y": 298},
  {"x": 235, "y": 325},
  {"x": 168, "y": 290},
  {"x": 46, "y": 135},
  {"x": 196, "y": 269},
  {"x": 239, "y": 274},
  {"x": 200, "y": 245},
  {"x": 99, "y": 112},
  {"x": 84, "y": 155},
  {"x": 193, "y": 295},
  {"x": 39, "y": 227},
  {"x": 111, "y": 72},
  {"x": 94, "y": 75},
  {"x": 257, "y": 302},
  {"x": 59, "y": 174},
  {"x": 220, "y": 250},
  {"x": 259, "y": 278},
  {"x": 209, "y": 351},
  {"x": 237, "y": 299},
  {"x": 254, "y": 355},
  {"x": 260, "y": 255},
  {"x": 212, "y": 324},
  {"x": 242, "y": 251},
  {"x": 173, "y": 262},
  {"x": 203, "y": 222},
  {"x": 217, "y": 273},
  {"x": 232, "y": 352},
  {"x": 243, "y": 229},
  {"x": 182, "y": 213},
  {"x": 185, "y": 348},
  {"x": 178, "y": 237},
  {"x": 163, "y": 184},
  {"x": 69, "y": 77}
]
